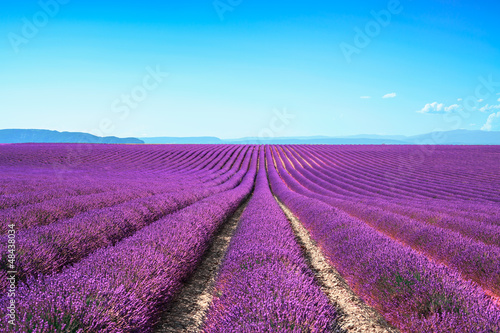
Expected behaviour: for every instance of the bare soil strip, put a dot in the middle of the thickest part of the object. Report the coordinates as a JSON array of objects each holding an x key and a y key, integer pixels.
[
  {"x": 187, "y": 312},
  {"x": 354, "y": 314}
]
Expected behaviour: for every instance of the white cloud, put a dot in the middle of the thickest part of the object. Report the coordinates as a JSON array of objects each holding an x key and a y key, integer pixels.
[
  {"x": 488, "y": 107},
  {"x": 493, "y": 122},
  {"x": 459, "y": 99},
  {"x": 452, "y": 108},
  {"x": 365, "y": 97},
  {"x": 391, "y": 95},
  {"x": 480, "y": 100},
  {"x": 499, "y": 99},
  {"x": 438, "y": 108},
  {"x": 432, "y": 108}
]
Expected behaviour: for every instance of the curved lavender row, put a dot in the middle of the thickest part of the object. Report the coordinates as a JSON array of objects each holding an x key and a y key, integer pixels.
[
  {"x": 468, "y": 170},
  {"x": 122, "y": 288},
  {"x": 16, "y": 182},
  {"x": 410, "y": 291},
  {"x": 444, "y": 155},
  {"x": 345, "y": 181},
  {"x": 477, "y": 211},
  {"x": 71, "y": 187},
  {"x": 68, "y": 190},
  {"x": 221, "y": 167},
  {"x": 85, "y": 155},
  {"x": 47, "y": 249},
  {"x": 413, "y": 190},
  {"x": 329, "y": 174},
  {"x": 481, "y": 231},
  {"x": 57, "y": 191},
  {"x": 474, "y": 260},
  {"x": 264, "y": 284},
  {"x": 390, "y": 176},
  {"x": 211, "y": 160},
  {"x": 191, "y": 158},
  {"x": 50, "y": 211},
  {"x": 190, "y": 166},
  {"x": 489, "y": 214},
  {"x": 203, "y": 161},
  {"x": 111, "y": 156},
  {"x": 488, "y": 234},
  {"x": 368, "y": 175},
  {"x": 115, "y": 183},
  {"x": 355, "y": 183}
]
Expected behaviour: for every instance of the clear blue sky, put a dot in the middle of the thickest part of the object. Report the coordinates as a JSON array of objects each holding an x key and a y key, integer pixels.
[{"x": 86, "y": 67}]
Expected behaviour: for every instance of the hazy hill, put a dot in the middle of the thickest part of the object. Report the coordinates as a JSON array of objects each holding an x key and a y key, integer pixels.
[
  {"x": 187, "y": 140},
  {"x": 47, "y": 136},
  {"x": 458, "y": 137}
]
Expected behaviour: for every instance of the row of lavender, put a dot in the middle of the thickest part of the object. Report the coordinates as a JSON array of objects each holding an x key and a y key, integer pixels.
[
  {"x": 411, "y": 291},
  {"x": 121, "y": 288},
  {"x": 264, "y": 284}
]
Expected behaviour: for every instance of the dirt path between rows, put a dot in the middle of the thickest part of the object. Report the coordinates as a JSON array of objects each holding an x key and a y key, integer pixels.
[
  {"x": 187, "y": 312},
  {"x": 354, "y": 314}
]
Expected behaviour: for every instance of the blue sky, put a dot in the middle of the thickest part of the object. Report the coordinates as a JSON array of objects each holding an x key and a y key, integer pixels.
[{"x": 249, "y": 68}]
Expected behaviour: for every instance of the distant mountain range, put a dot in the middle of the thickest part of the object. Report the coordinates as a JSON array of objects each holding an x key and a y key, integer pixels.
[
  {"x": 186, "y": 140},
  {"x": 457, "y": 137},
  {"x": 47, "y": 136}
]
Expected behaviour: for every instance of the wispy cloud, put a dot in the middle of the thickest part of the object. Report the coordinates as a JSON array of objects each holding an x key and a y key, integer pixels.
[
  {"x": 459, "y": 99},
  {"x": 452, "y": 108},
  {"x": 480, "y": 100},
  {"x": 493, "y": 122},
  {"x": 391, "y": 95},
  {"x": 438, "y": 108},
  {"x": 365, "y": 97},
  {"x": 488, "y": 107}
]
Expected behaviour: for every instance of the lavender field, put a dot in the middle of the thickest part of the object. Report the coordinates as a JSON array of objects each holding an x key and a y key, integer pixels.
[{"x": 107, "y": 238}]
